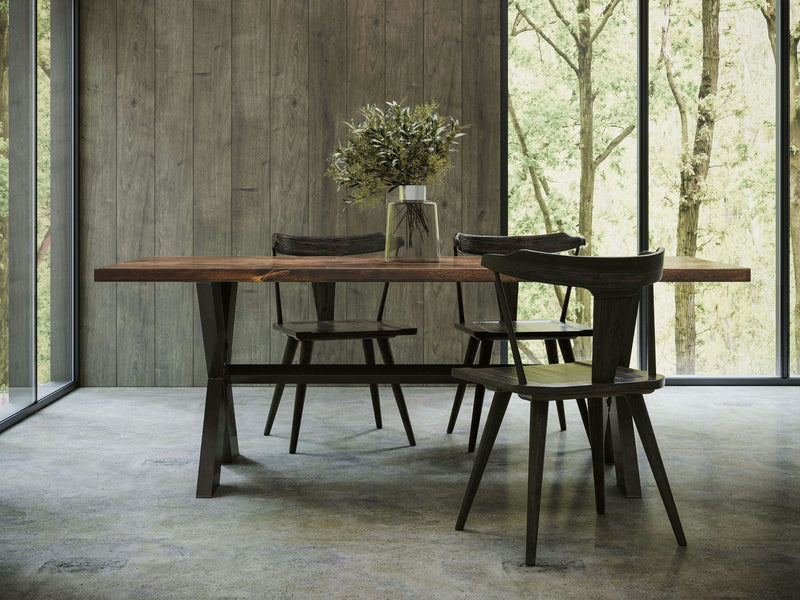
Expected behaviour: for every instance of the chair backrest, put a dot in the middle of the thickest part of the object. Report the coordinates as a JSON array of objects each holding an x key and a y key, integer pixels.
[
  {"x": 466, "y": 243},
  {"x": 615, "y": 283},
  {"x": 335, "y": 245}
]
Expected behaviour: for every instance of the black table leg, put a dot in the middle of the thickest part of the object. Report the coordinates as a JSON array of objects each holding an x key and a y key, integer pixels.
[{"x": 219, "y": 442}]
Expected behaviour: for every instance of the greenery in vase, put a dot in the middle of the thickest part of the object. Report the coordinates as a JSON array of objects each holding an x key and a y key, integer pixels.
[{"x": 394, "y": 146}]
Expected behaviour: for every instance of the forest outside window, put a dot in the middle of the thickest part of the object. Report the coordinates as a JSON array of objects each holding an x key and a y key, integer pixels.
[
  {"x": 711, "y": 172},
  {"x": 37, "y": 328}
]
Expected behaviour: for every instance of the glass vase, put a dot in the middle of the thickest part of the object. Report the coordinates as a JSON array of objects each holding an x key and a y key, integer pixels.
[{"x": 412, "y": 227}]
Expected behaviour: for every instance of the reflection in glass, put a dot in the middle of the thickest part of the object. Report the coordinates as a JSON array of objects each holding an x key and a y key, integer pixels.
[
  {"x": 36, "y": 200},
  {"x": 54, "y": 201},
  {"x": 17, "y": 367}
]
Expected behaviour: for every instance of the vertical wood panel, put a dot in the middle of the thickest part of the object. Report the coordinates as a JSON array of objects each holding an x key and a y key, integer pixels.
[
  {"x": 98, "y": 191},
  {"x": 240, "y": 152},
  {"x": 250, "y": 141},
  {"x": 327, "y": 107},
  {"x": 61, "y": 193},
  {"x": 443, "y": 86},
  {"x": 289, "y": 137},
  {"x": 366, "y": 84},
  {"x": 135, "y": 186},
  {"x": 481, "y": 147},
  {"x": 404, "y": 81},
  {"x": 175, "y": 302},
  {"x": 212, "y": 139}
]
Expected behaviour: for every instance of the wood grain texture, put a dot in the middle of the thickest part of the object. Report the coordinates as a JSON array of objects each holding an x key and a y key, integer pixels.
[
  {"x": 289, "y": 138},
  {"x": 97, "y": 358},
  {"x": 135, "y": 222},
  {"x": 443, "y": 23},
  {"x": 212, "y": 139},
  {"x": 366, "y": 84},
  {"x": 326, "y": 60},
  {"x": 62, "y": 197},
  {"x": 480, "y": 149},
  {"x": 404, "y": 80},
  {"x": 356, "y": 268},
  {"x": 174, "y": 187},
  {"x": 327, "y": 98},
  {"x": 250, "y": 181},
  {"x": 292, "y": 269}
]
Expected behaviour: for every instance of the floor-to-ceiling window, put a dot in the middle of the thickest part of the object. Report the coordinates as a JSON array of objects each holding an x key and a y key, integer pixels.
[
  {"x": 37, "y": 258},
  {"x": 574, "y": 161}
]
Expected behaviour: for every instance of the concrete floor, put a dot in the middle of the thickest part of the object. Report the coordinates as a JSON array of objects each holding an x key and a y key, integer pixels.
[{"x": 97, "y": 502}]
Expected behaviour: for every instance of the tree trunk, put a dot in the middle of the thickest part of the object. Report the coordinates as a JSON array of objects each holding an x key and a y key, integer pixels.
[
  {"x": 794, "y": 187},
  {"x": 586, "y": 146},
  {"x": 694, "y": 173}
]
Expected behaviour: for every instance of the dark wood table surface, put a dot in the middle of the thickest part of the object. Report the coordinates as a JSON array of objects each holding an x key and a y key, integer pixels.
[
  {"x": 211, "y": 269},
  {"x": 216, "y": 280}
]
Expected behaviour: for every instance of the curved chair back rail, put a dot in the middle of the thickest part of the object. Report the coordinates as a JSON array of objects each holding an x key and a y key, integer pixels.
[
  {"x": 305, "y": 245},
  {"x": 601, "y": 275},
  {"x": 467, "y": 243}
]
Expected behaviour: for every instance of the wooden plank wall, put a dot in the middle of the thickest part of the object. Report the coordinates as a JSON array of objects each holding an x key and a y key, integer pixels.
[{"x": 204, "y": 127}]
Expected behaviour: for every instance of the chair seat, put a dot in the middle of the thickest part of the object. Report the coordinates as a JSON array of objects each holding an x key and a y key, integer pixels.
[
  {"x": 342, "y": 330},
  {"x": 525, "y": 330},
  {"x": 560, "y": 381}
]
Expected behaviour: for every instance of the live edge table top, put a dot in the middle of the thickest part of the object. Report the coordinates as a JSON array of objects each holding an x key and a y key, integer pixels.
[{"x": 217, "y": 269}]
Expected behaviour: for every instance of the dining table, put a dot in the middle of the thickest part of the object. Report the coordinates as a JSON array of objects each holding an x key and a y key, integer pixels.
[{"x": 216, "y": 279}]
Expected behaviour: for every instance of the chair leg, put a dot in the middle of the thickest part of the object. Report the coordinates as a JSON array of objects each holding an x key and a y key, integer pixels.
[
  {"x": 369, "y": 358},
  {"x": 388, "y": 359},
  {"x": 536, "y": 442},
  {"x": 469, "y": 358},
  {"x": 306, "y": 349},
  {"x": 597, "y": 421},
  {"x": 288, "y": 356},
  {"x": 565, "y": 345},
  {"x": 552, "y": 358},
  {"x": 484, "y": 360},
  {"x": 624, "y": 442},
  {"x": 645, "y": 428},
  {"x": 496, "y": 413},
  {"x": 584, "y": 415}
]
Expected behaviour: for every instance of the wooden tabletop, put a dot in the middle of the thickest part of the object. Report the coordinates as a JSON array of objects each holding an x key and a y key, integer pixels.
[{"x": 212, "y": 269}]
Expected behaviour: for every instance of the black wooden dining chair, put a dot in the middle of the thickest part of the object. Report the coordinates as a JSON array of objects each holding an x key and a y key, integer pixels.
[
  {"x": 555, "y": 333},
  {"x": 327, "y": 328},
  {"x": 616, "y": 284}
]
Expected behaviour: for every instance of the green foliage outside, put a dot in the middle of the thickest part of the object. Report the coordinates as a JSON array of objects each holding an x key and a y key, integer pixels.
[
  {"x": 735, "y": 322},
  {"x": 42, "y": 191}
]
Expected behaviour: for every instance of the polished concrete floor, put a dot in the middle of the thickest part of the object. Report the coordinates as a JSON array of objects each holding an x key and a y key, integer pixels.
[{"x": 97, "y": 502}]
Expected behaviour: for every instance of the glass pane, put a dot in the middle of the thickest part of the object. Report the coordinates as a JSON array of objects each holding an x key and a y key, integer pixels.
[
  {"x": 572, "y": 138},
  {"x": 794, "y": 193},
  {"x": 712, "y": 184},
  {"x": 17, "y": 371},
  {"x": 54, "y": 196}
]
